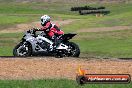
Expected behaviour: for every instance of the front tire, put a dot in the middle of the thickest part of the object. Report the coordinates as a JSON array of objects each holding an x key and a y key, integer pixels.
[
  {"x": 73, "y": 49},
  {"x": 22, "y": 49}
]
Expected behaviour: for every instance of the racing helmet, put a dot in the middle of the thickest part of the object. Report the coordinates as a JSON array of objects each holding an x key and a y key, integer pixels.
[{"x": 44, "y": 19}]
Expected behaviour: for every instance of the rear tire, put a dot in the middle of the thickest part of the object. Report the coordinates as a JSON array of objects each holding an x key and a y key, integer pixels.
[
  {"x": 19, "y": 50},
  {"x": 74, "y": 49}
]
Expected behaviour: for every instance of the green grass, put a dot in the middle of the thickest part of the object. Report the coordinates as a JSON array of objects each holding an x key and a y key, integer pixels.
[
  {"x": 106, "y": 47},
  {"x": 11, "y": 35},
  {"x": 9, "y": 21},
  {"x": 6, "y": 50},
  {"x": 109, "y": 44},
  {"x": 103, "y": 44},
  {"x": 36, "y": 8},
  {"x": 8, "y": 42},
  {"x": 106, "y": 44},
  {"x": 15, "y": 13},
  {"x": 55, "y": 83},
  {"x": 120, "y": 16}
]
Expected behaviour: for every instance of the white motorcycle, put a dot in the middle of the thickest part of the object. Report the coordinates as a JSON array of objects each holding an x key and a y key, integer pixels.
[{"x": 40, "y": 45}]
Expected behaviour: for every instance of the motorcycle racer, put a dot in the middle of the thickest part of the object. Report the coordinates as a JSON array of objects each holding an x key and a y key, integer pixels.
[
  {"x": 50, "y": 41},
  {"x": 50, "y": 29}
]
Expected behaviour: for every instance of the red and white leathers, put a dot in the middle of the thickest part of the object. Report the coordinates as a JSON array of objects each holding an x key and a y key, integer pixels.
[{"x": 51, "y": 29}]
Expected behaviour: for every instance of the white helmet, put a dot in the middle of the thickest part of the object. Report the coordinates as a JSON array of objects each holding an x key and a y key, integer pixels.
[{"x": 44, "y": 19}]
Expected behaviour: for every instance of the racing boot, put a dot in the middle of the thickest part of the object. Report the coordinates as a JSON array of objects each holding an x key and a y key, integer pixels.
[{"x": 56, "y": 42}]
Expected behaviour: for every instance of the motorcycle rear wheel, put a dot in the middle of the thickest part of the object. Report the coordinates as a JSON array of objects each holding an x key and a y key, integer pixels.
[{"x": 74, "y": 49}]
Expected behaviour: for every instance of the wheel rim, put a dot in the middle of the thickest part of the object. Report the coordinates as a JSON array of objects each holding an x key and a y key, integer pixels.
[
  {"x": 22, "y": 50},
  {"x": 72, "y": 50}
]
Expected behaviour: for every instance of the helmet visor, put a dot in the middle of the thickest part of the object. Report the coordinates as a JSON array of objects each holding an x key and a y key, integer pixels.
[{"x": 41, "y": 20}]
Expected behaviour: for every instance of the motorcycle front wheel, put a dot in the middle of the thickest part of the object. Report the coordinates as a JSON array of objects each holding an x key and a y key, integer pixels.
[{"x": 22, "y": 49}]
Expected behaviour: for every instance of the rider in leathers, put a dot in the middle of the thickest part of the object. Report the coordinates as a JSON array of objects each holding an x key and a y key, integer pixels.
[{"x": 50, "y": 29}]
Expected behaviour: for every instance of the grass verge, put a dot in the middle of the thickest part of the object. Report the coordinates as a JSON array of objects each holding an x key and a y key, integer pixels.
[{"x": 55, "y": 83}]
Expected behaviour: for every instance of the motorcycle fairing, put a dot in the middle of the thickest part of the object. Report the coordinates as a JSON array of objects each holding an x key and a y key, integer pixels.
[
  {"x": 62, "y": 46},
  {"x": 67, "y": 37}
]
